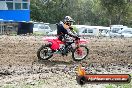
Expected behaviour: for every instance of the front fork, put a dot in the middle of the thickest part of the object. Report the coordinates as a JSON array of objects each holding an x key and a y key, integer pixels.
[{"x": 79, "y": 50}]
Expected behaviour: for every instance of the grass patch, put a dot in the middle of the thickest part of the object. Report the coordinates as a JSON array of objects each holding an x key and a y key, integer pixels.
[
  {"x": 119, "y": 85},
  {"x": 38, "y": 33},
  {"x": 110, "y": 86},
  {"x": 33, "y": 84},
  {"x": 8, "y": 86}
]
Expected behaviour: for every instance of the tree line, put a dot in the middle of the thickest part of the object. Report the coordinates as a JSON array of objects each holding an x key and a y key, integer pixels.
[{"x": 89, "y": 12}]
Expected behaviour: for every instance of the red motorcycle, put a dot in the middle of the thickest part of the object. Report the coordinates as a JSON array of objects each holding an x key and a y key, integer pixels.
[{"x": 77, "y": 47}]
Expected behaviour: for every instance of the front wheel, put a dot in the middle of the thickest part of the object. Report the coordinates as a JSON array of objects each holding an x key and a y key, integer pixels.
[
  {"x": 44, "y": 52},
  {"x": 80, "y": 53}
]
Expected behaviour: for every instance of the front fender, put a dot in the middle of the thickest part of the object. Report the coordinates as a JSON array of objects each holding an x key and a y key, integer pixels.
[{"x": 83, "y": 41}]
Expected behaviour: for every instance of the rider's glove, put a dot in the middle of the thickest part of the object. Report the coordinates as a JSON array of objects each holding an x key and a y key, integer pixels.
[
  {"x": 77, "y": 38},
  {"x": 71, "y": 28}
]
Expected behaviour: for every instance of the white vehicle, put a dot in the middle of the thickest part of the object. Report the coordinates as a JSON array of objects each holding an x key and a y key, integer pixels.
[
  {"x": 52, "y": 32},
  {"x": 114, "y": 30},
  {"x": 104, "y": 31},
  {"x": 40, "y": 27},
  {"x": 127, "y": 32},
  {"x": 80, "y": 26},
  {"x": 94, "y": 30},
  {"x": 90, "y": 31}
]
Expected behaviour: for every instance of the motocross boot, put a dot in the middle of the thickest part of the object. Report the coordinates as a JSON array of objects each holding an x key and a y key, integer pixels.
[{"x": 65, "y": 51}]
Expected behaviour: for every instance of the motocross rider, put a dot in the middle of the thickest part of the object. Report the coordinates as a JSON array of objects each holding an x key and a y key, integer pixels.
[{"x": 65, "y": 29}]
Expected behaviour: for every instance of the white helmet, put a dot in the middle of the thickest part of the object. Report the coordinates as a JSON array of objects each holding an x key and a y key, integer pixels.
[{"x": 68, "y": 19}]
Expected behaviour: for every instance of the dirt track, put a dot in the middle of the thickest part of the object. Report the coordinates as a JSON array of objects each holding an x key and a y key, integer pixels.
[{"x": 18, "y": 58}]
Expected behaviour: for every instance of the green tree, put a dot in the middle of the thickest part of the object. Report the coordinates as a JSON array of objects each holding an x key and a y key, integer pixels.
[
  {"x": 90, "y": 12},
  {"x": 54, "y": 10},
  {"x": 116, "y": 10}
]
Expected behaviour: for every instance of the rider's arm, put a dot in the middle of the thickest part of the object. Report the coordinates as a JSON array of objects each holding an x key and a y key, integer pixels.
[
  {"x": 72, "y": 34},
  {"x": 65, "y": 31}
]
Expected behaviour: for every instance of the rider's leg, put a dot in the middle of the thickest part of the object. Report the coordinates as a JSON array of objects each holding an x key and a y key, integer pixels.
[{"x": 66, "y": 45}]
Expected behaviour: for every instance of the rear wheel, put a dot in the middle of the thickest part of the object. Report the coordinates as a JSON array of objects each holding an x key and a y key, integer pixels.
[
  {"x": 80, "y": 53},
  {"x": 44, "y": 52}
]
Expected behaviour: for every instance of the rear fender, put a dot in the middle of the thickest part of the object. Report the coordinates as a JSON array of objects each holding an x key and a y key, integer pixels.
[
  {"x": 54, "y": 44},
  {"x": 48, "y": 38}
]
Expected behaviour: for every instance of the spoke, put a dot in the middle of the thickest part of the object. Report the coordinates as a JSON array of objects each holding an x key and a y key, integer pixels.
[
  {"x": 45, "y": 52},
  {"x": 83, "y": 53}
]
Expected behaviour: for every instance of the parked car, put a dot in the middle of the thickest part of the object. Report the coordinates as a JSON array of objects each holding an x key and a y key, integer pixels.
[
  {"x": 89, "y": 31},
  {"x": 127, "y": 32},
  {"x": 93, "y": 30},
  {"x": 104, "y": 31},
  {"x": 52, "y": 32},
  {"x": 40, "y": 27},
  {"x": 114, "y": 31}
]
